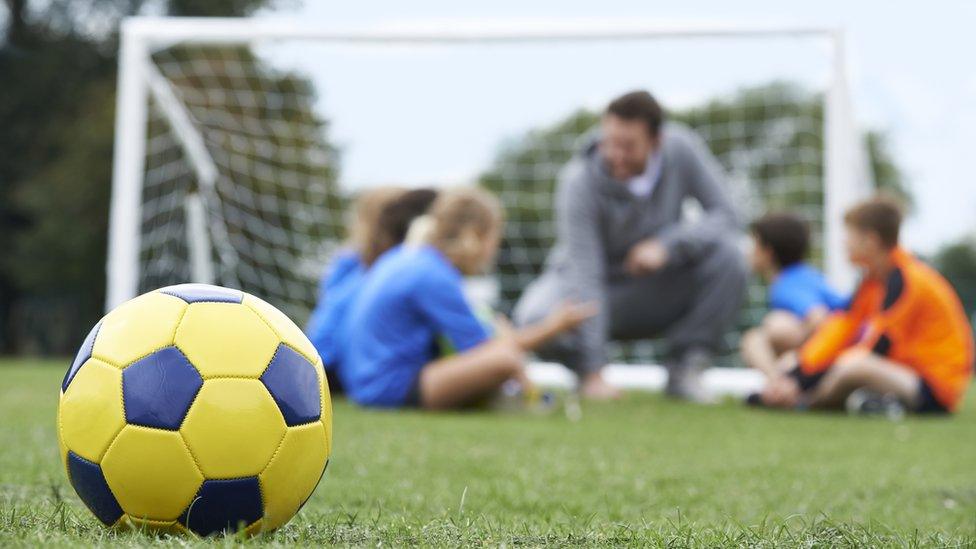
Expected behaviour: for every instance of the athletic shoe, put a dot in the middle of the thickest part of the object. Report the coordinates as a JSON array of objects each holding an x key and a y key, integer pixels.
[
  {"x": 685, "y": 377},
  {"x": 513, "y": 397},
  {"x": 872, "y": 403}
]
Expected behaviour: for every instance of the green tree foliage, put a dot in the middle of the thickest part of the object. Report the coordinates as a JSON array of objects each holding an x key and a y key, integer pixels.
[
  {"x": 58, "y": 68},
  {"x": 957, "y": 261}
]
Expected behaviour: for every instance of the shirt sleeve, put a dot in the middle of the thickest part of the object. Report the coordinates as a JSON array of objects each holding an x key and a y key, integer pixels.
[
  {"x": 839, "y": 332},
  {"x": 706, "y": 183},
  {"x": 443, "y": 303},
  {"x": 798, "y": 300},
  {"x": 578, "y": 228}
]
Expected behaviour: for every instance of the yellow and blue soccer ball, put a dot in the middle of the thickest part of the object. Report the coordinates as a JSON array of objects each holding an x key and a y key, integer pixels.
[{"x": 195, "y": 408}]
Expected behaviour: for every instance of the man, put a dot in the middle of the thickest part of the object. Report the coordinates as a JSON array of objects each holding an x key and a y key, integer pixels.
[
  {"x": 622, "y": 243},
  {"x": 904, "y": 336}
]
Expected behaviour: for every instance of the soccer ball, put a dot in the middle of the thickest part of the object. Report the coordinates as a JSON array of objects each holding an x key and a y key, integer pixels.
[{"x": 195, "y": 408}]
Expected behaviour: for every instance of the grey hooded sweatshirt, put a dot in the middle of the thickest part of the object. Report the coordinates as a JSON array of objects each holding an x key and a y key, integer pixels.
[{"x": 598, "y": 220}]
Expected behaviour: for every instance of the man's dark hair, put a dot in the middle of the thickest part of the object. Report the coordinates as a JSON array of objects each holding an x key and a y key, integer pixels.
[
  {"x": 639, "y": 105},
  {"x": 785, "y": 234},
  {"x": 880, "y": 215}
]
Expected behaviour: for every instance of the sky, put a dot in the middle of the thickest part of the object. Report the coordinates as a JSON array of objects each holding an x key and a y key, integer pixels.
[{"x": 911, "y": 69}]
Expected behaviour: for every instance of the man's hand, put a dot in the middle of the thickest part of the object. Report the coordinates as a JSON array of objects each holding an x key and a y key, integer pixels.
[
  {"x": 781, "y": 392},
  {"x": 569, "y": 315},
  {"x": 646, "y": 257}
]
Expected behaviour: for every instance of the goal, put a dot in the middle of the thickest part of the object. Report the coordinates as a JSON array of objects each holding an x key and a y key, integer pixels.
[{"x": 239, "y": 142}]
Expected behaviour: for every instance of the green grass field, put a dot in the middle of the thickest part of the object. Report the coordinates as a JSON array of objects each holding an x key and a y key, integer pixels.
[{"x": 646, "y": 471}]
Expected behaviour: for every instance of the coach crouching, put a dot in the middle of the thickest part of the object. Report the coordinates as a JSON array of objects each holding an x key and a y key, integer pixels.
[{"x": 622, "y": 242}]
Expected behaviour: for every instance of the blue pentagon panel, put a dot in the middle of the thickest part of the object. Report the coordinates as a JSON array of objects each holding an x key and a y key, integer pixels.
[
  {"x": 293, "y": 383},
  {"x": 83, "y": 355},
  {"x": 192, "y": 293},
  {"x": 158, "y": 390},
  {"x": 224, "y": 505},
  {"x": 87, "y": 479}
]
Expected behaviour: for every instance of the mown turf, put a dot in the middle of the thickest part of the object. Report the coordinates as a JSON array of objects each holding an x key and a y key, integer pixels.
[{"x": 645, "y": 471}]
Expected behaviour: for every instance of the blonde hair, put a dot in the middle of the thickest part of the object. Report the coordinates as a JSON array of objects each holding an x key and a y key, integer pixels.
[
  {"x": 365, "y": 224},
  {"x": 459, "y": 221}
]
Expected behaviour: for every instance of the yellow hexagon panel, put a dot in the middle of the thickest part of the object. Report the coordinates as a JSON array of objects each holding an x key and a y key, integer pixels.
[
  {"x": 90, "y": 413},
  {"x": 138, "y": 327},
  {"x": 151, "y": 473},
  {"x": 288, "y": 331},
  {"x": 233, "y": 428},
  {"x": 151, "y": 526},
  {"x": 226, "y": 339},
  {"x": 293, "y": 472}
]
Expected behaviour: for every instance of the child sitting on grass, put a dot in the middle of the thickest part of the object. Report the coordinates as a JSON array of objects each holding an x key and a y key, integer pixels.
[
  {"x": 799, "y": 296},
  {"x": 904, "y": 338},
  {"x": 382, "y": 218},
  {"x": 413, "y": 296}
]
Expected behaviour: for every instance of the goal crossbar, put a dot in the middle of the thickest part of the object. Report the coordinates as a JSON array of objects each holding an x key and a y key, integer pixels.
[{"x": 846, "y": 169}]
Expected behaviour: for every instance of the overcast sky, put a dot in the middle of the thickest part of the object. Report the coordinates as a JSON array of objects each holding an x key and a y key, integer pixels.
[{"x": 912, "y": 70}]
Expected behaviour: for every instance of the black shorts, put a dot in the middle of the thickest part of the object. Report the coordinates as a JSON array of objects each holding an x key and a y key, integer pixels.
[
  {"x": 927, "y": 403},
  {"x": 413, "y": 394}
]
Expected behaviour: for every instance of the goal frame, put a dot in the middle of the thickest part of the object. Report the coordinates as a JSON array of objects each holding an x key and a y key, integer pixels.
[{"x": 847, "y": 175}]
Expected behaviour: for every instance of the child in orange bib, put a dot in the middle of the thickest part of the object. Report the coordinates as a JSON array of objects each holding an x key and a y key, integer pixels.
[{"x": 904, "y": 335}]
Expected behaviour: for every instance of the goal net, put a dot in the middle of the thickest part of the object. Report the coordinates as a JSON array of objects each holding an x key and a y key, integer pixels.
[{"x": 241, "y": 142}]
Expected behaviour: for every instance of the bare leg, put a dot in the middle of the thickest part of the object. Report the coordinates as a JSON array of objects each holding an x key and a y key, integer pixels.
[
  {"x": 869, "y": 371},
  {"x": 460, "y": 379},
  {"x": 757, "y": 351},
  {"x": 785, "y": 331},
  {"x": 780, "y": 333}
]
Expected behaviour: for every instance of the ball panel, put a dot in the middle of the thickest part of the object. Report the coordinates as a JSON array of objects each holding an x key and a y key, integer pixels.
[
  {"x": 195, "y": 293},
  {"x": 224, "y": 505},
  {"x": 151, "y": 472},
  {"x": 159, "y": 389},
  {"x": 256, "y": 528},
  {"x": 226, "y": 339},
  {"x": 137, "y": 328},
  {"x": 87, "y": 479},
  {"x": 233, "y": 428},
  {"x": 288, "y": 331},
  {"x": 294, "y": 385},
  {"x": 152, "y": 526},
  {"x": 90, "y": 413},
  {"x": 84, "y": 353},
  {"x": 326, "y": 414},
  {"x": 293, "y": 473}
]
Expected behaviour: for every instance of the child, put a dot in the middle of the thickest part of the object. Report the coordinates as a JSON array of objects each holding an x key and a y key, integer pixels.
[
  {"x": 799, "y": 296},
  {"x": 904, "y": 336},
  {"x": 343, "y": 276},
  {"x": 413, "y": 296}
]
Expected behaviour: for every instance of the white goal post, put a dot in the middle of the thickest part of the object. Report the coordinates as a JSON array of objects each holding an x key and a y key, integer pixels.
[{"x": 845, "y": 167}]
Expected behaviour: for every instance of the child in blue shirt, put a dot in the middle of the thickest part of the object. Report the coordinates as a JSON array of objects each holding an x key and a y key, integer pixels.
[
  {"x": 799, "y": 296},
  {"x": 383, "y": 217},
  {"x": 413, "y": 296}
]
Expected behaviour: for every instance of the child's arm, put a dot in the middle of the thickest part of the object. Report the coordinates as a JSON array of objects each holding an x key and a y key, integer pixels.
[
  {"x": 814, "y": 317},
  {"x": 566, "y": 317}
]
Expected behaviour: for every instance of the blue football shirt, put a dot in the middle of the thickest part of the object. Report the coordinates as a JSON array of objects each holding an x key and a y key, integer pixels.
[
  {"x": 409, "y": 298},
  {"x": 336, "y": 291},
  {"x": 799, "y": 288}
]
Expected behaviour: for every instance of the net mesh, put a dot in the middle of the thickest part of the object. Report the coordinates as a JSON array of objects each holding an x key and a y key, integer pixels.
[{"x": 276, "y": 207}]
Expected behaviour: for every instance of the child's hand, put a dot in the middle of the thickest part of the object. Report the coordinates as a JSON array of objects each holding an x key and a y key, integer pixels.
[
  {"x": 568, "y": 315},
  {"x": 781, "y": 392}
]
